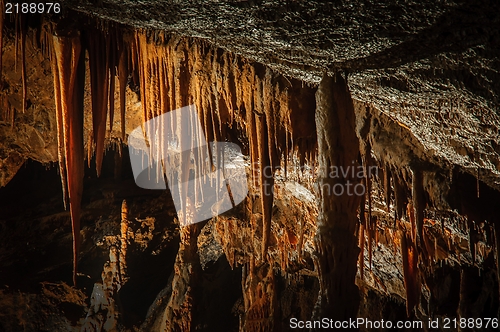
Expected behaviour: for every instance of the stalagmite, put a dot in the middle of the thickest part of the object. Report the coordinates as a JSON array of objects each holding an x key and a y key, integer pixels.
[
  {"x": 124, "y": 242},
  {"x": 410, "y": 273},
  {"x": 69, "y": 104},
  {"x": 260, "y": 291}
]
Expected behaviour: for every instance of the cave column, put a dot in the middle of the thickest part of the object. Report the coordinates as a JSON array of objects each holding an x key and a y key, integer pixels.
[{"x": 336, "y": 243}]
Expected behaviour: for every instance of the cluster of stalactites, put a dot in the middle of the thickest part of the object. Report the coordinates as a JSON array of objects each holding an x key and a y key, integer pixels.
[
  {"x": 408, "y": 239},
  {"x": 394, "y": 184},
  {"x": 230, "y": 94},
  {"x": 404, "y": 195},
  {"x": 20, "y": 28}
]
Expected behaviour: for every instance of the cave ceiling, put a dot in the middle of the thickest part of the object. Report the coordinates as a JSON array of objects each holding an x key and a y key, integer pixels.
[{"x": 431, "y": 67}]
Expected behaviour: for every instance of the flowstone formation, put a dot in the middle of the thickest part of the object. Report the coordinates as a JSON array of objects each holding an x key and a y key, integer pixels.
[{"x": 373, "y": 173}]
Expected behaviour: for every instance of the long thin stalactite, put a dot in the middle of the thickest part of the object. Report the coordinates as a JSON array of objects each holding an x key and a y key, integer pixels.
[{"x": 68, "y": 89}]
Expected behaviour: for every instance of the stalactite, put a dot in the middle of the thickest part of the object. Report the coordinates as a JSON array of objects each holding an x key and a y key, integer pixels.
[
  {"x": 399, "y": 195},
  {"x": 387, "y": 187},
  {"x": 271, "y": 133},
  {"x": 300, "y": 244},
  {"x": 266, "y": 182},
  {"x": 362, "y": 250},
  {"x": 45, "y": 43},
  {"x": 70, "y": 73},
  {"x": 90, "y": 147},
  {"x": 2, "y": 18},
  {"x": 112, "y": 77},
  {"x": 370, "y": 243},
  {"x": 118, "y": 159},
  {"x": 368, "y": 180},
  {"x": 430, "y": 247},
  {"x": 16, "y": 39},
  {"x": 362, "y": 212},
  {"x": 123, "y": 77},
  {"x": 283, "y": 249},
  {"x": 477, "y": 181},
  {"x": 472, "y": 239},
  {"x": 413, "y": 226},
  {"x": 99, "y": 45},
  {"x": 22, "y": 29},
  {"x": 60, "y": 130},
  {"x": 270, "y": 113},
  {"x": 418, "y": 201}
]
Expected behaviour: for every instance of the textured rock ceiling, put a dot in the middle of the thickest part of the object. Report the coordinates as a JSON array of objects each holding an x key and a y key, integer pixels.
[{"x": 431, "y": 66}]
